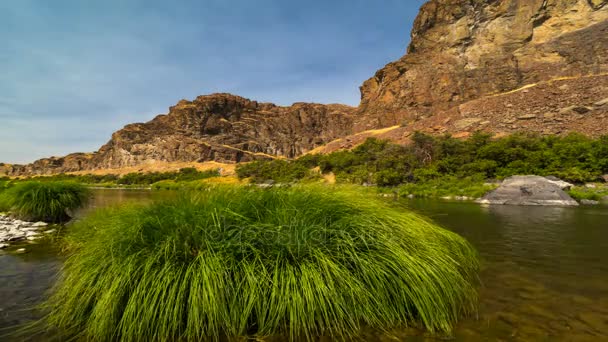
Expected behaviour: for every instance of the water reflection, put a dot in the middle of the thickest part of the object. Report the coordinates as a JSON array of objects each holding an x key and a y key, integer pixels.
[{"x": 545, "y": 273}]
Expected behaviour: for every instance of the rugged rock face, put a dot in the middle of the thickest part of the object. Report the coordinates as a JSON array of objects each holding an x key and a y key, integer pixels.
[
  {"x": 499, "y": 66},
  {"x": 555, "y": 107},
  {"x": 462, "y": 50},
  {"x": 219, "y": 127}
]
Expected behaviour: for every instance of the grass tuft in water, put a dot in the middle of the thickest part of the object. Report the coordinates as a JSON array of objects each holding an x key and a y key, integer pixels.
[
  {"x": 235, "y": 261},
  {"x": 44, "y": 201}
]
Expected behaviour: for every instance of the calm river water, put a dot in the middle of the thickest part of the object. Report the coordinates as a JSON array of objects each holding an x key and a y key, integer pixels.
[{"x": 544, "y": 276}]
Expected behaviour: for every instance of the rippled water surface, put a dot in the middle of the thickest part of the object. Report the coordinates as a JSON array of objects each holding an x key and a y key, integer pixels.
[{"x": 545, "y": 271}]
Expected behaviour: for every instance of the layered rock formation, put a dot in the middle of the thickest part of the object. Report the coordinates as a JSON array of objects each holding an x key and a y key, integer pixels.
[
  {"x": 556, "y": 107},
  {"x": 494, "y": 65},
  {"x": 463, "y": 50},
  {"x": 219, "y": 127}
]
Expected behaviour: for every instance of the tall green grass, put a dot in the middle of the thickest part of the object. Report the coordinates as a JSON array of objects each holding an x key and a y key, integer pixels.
[
  {"x": 44, "y": 201},
  {"x": 241, "y": 261}
]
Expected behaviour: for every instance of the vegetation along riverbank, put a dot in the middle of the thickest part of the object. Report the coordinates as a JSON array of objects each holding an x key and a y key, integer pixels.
[
  {"x": 430, "y": 167},
  {"x": 43, "y": 201},
  {"x": 297, "y": 262},
  {"x": 447, "y": 167}
]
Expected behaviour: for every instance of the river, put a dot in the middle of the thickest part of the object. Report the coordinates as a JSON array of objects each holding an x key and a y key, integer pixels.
[{"x": 544, "y": 270}]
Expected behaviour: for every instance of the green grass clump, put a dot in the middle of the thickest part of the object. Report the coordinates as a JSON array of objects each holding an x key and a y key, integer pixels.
[
  {"x": 44, "y": 201},
  {"x": 241, "y": 261},
  {"x": 166, "y": 185},
  {"x": 583, "y": 193},
  {"x": 447, "y": 187}
]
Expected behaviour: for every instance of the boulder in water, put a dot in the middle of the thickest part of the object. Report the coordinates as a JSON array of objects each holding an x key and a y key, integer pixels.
[{"x": 530, "y": 190}]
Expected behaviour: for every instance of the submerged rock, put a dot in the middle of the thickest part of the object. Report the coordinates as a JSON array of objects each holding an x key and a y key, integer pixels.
[
  {"x": 589, "y": 202},
  {"x": 529, "y": 190}
]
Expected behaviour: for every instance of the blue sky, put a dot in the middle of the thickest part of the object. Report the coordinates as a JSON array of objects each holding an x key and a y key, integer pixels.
[{"x": 74, "y": 71}]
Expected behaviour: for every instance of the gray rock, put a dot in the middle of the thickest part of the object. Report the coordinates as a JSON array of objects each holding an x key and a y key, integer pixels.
[
  {"x": 20, "y": 250},
  {"x": 16, "y": 237},
  {"x": 562, "y": 184},
  {"x": 575, "y": 109},
  {"x": 465, "y": 123},
  {"x": 529, "y": 190},
  {"x": 601, "y": 103},
  {"x": 589, "y": 202},
  {"x": 527, "y": 117},
  {"x": 40, "y": 224},
  {"x": 30, "y": 234}
]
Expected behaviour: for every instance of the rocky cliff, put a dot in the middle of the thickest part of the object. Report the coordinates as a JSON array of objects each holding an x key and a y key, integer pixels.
[
  {"x": 218, "y": 127},
  {"x": 463, "y": 50},
  {"x": 495, "y": 65}
]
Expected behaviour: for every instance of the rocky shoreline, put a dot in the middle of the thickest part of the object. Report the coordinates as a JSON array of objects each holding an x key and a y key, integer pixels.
[{"x": 13, "y": 230}]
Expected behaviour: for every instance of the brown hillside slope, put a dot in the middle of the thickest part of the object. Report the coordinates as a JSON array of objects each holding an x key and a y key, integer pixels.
[{"x": 554, "y": 107}]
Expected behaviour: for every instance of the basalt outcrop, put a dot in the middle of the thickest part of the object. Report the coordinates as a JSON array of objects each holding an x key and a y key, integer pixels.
[
  {"x": 218, "y": 127},
  {"x": 462, "y": 50},
  {"x": 499, "y": 66}
]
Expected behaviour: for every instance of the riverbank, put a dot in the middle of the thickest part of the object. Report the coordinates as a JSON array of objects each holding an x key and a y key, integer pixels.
[
  {"x": 442, "y": 167},
  {"x": 524, "y": 295}
]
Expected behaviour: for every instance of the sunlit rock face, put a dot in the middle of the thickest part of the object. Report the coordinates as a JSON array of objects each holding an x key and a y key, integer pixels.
[
  {"x": 218, "y": 127},
  {"x": 464, "y": 71},
  {"x": 466, "y": 49}
]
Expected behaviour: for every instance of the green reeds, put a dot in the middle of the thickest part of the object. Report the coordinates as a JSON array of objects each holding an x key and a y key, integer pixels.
[
  {"x": 44, "y": 201},
  {"x": 234, "y": 261}
]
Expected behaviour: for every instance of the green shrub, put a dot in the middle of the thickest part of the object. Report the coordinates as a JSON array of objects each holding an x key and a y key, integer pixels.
[
  {"x": 576, "y": 175},
  {"x": 4, "y": 185},
  {"x": 132, "y": 179},
  {"x": 44, "y": 201},
  {"x": 583, "y": 193},
  {"x": 281, "y": 171},
  {"x": 472, "y": 187},
  {"x": 166, "y": 185},
  {"x": 299, "y": 263},
  {"x": 4, "y": 204}
]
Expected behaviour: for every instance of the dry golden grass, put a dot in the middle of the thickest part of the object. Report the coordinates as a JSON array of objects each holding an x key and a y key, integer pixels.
[{"x": 226, "y": 169}]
